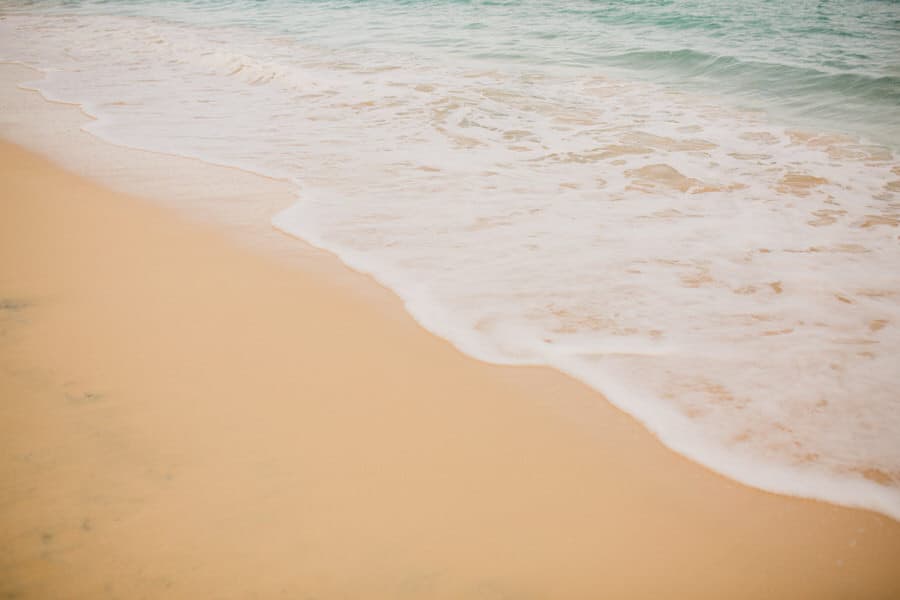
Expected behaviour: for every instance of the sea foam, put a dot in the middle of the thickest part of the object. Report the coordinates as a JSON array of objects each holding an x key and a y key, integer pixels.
[{"x": 727, "y": 277}]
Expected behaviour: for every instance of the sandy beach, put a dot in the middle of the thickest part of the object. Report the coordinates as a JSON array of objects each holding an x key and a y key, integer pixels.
[{"x": 187, "y": 417}]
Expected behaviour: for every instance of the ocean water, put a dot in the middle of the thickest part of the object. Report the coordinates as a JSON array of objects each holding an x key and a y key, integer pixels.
[{"x": 692, "y": 206}]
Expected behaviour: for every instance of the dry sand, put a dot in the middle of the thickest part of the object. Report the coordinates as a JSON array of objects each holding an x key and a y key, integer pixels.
[{"x": 181, "y": 417}]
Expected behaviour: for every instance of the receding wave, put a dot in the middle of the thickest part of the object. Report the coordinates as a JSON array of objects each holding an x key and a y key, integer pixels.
[{"x": 725, "y": 275}]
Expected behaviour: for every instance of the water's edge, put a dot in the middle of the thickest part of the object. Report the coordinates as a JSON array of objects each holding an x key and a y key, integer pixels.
[{"x": 766, "y": 477}]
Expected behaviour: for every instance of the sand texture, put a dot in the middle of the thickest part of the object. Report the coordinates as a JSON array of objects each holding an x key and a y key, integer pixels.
[{"x": 181, "y": 417}]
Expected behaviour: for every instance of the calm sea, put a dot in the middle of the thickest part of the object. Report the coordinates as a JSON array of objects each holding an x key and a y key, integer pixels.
[{"x": 693, "y": 206}]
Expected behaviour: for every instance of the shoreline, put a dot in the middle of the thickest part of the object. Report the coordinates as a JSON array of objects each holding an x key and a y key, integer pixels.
[
  {"x": 217, "y": 193},
  {"x": 453, "y": 478}
]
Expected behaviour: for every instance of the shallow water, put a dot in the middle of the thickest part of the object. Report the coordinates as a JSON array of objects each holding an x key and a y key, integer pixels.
[{"x": 691, "y": 206}]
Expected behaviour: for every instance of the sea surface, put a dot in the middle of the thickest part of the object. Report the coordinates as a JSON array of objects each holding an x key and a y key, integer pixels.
[{"x": 692, "y": 206}]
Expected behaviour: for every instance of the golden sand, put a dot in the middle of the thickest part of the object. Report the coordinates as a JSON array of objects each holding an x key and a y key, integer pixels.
[{"x": 184, "y": 418}]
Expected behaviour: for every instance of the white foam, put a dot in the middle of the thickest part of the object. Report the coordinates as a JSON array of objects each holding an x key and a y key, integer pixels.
[{"x": 728, "y": 281}]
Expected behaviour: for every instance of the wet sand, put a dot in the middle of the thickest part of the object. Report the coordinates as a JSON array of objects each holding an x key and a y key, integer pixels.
[{"x": 184, "y": 417}]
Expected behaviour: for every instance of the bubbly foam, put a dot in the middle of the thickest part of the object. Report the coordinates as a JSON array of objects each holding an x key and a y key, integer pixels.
[{"x": 728, "y": 280}]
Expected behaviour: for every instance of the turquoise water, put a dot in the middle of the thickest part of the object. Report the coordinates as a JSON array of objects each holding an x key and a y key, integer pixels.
[
  {"x": 828, "y": 61},
  {"x": 693, "y": 207}
]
